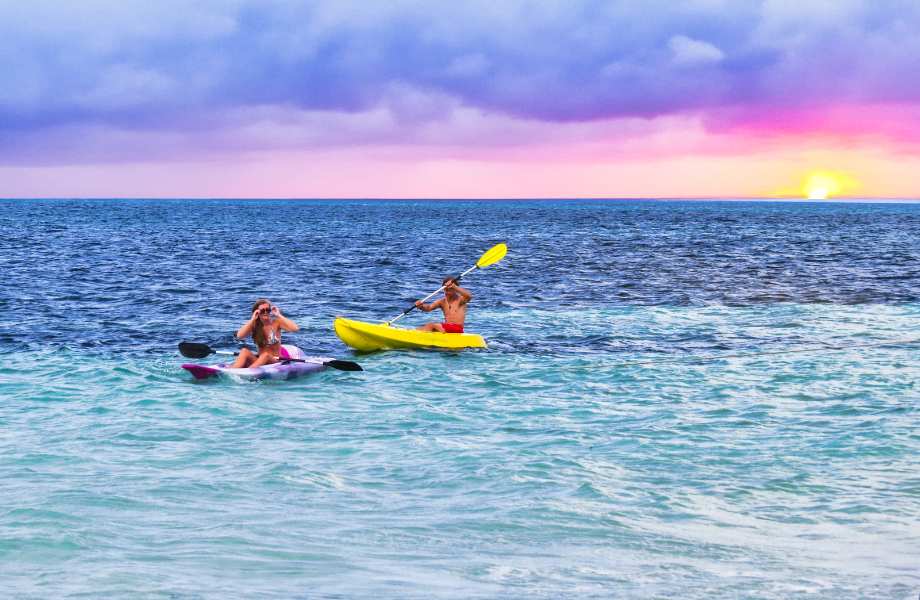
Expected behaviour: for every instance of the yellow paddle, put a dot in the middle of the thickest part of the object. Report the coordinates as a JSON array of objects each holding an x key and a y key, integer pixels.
[{"x": 490, "y": 257}]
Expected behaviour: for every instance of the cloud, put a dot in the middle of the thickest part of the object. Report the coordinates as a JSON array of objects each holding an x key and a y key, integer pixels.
[
  {"x": 208, "y": 75},
  {"x": 690, "y": 52}
]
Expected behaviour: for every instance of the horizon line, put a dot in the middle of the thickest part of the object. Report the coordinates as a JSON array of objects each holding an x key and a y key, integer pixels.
[{"x": 483, "y": 198}]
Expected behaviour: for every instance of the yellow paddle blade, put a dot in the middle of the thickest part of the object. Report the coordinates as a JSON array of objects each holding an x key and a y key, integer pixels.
[{"x": 492, "y": 255}]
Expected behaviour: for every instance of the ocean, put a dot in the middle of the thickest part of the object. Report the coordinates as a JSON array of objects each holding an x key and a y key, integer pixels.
[{"x": 680, "y": 399}]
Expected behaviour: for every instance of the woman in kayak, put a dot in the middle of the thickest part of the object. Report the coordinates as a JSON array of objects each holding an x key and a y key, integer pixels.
[
  {"x": 453, "y": 304},
  {"x": 265, "y": 327}
]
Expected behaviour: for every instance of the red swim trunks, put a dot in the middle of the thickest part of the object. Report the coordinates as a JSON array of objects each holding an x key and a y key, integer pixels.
[{"x": 452, "y": 328}]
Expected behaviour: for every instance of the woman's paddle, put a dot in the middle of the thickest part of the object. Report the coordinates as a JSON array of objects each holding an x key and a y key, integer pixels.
[
  {"x": 490, "y": 257},
  {"x": 195, "y": 350}
]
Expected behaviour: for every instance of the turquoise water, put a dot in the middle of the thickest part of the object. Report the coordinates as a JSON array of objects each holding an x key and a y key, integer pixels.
[{"x": 645, "y": 423}]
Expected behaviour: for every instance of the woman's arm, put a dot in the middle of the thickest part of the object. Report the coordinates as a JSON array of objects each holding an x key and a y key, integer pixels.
[
  {"x": 286, "y": 324},
  {"x": 246, "y": 329}
]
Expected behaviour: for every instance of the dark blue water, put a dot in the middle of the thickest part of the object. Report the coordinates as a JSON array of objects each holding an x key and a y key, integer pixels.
[
  {"x": 135, "y": 275},
  {"x": 595, "y": 449}
]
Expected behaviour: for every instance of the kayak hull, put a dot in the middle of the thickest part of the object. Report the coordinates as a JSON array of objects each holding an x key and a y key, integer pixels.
[
  {"x": 368, "y": 337},
  {"x": 277, "y": 371}
]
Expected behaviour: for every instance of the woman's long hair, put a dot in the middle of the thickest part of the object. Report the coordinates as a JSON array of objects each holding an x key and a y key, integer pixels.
[{"x": 258, "y": 331}]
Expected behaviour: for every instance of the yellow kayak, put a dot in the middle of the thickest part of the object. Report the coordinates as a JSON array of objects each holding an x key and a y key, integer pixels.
[{"x": 368, "y": 337}]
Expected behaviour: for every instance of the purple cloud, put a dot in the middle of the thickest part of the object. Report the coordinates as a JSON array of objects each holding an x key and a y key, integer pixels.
[{"x": 97, "y": 80}]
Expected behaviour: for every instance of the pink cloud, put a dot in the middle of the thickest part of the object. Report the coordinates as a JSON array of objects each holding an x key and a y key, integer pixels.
[{"x": 894, "y": 125}]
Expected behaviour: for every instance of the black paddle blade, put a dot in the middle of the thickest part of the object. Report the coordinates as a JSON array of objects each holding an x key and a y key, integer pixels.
[
  {"x": 193, "y": 350},
  {"x": 343, "y": 365}
]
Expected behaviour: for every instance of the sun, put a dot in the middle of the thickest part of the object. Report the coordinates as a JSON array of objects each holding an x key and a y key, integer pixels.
[{"x": 821, "y": 185}]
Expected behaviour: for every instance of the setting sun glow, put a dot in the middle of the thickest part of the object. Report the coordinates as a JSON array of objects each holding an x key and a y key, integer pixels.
[{"x": 822, "y": 185}]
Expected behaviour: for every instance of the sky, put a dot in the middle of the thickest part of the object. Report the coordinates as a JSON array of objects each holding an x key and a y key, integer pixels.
[{"x": 471, "y": 99}]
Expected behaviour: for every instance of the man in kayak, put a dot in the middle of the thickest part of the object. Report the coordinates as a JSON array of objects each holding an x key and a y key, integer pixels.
[{"x": 453, "y": 304}]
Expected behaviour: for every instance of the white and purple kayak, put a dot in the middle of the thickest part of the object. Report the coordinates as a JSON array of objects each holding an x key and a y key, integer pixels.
[{"x": 279, "y": 370}]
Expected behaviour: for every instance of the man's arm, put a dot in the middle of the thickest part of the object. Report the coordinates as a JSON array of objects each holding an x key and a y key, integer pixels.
[
  {"x": 428, "y": 307},
  {"x": 465, "y": 294}
]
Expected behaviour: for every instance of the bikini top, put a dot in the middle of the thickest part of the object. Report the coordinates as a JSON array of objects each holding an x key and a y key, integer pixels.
[{"x": 272, "y": 338}]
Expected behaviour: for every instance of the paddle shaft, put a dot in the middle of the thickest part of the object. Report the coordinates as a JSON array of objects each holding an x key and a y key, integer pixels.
[
  {"x": 431, "y": 295},
  {"x": 341, "y": 365}
]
